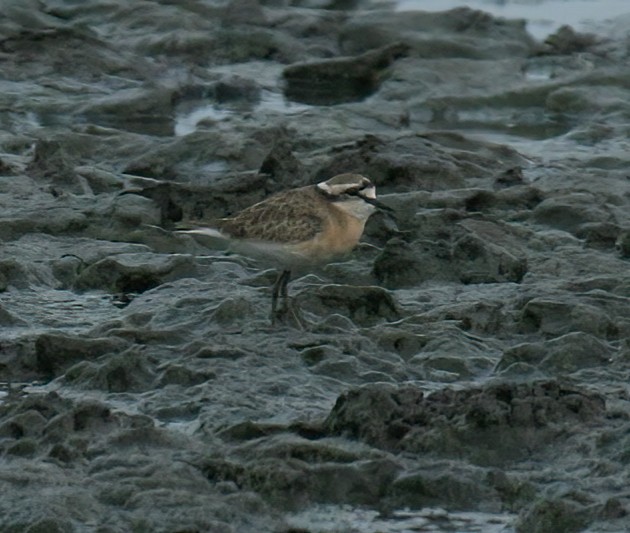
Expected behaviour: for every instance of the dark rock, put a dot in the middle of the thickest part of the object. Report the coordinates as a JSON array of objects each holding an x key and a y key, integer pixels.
[
  {"x": 405, "y": 343},
  {"x": 622, "y": 245},
  {"x": 374, "y": 414},
  {"x": 233, "y": 310},
  {"x": 316, "y": 354},
  {"x": 436, "y": 161},
  {"x": 133, "y": 211},
  {"x": 78, "y": 53},
  {"x": 344, "y": 368},
  {"x": 219, "y": 352},
  {"x": 10, "y": 319},
  {"x": 402, "y": 264},
  {"x": 241, "y": 44},
  {"x": 509, "y": 178},
  {"x": 144, "y": 110},
  {"x": 553, "y": 317},
  {"x": 89, "y": 417},
  {"x": 471, "y": 251},
  {"x": 461, "y": 487},
  {"x": 573, "y": 101},
  {"x": 133, "y": 273},
  {"x": 526, "y": 353},
  {"x": 412, "y": 171},
  {"x": 281, "y": 166},
  {"x": 574, "y": 351},
  {"x": 167, "y": 197},
  {"x": 24, "y": 424},
  {"x": 100, "y": 181},
  {"x": 487, "y": 317},
  {"x": 48, "y": 405},
  {"x": 51, "y": 162},
  {"x": 249, "y": 430},
  {"x": 567, "y": 353},
  {"x": 66, "y": 269},
  {"x": 613, "y": 509},
  {"x": 50, "y": 525},
  {"x": 599, "y": 235},
  {"x": 294, "y": 483},
  {"x": 334, "y": 81},
  {"x": 63, "y": 453},
  {"x": 559, "y": 515},
  {"x": 361, "y": 483},
  {"x": 26, "y": 447},
  {"x": 363, "y": 305},
  {"x": 514, "y": 491},
  {"x": 491, "y": 425},
  {"x": 120, "y": 372},
  {"x": 182, "y": 375},
  {"x": 567, "y": 41},
  {"x": 517, "y": 197},
  {"x": 49, "y": 157},
  {"x": 236, "y": 89},
  {"x": 238, "y": 12},
  {"x": 489, "y": 253},
  {"x": 55, "y": 352}
]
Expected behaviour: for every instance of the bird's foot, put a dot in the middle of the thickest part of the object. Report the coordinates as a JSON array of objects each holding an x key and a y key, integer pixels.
[{"x": 288, "y": 313}]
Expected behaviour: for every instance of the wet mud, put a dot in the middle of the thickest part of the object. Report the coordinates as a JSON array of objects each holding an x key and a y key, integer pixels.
[{"x": 465, "y": 369}]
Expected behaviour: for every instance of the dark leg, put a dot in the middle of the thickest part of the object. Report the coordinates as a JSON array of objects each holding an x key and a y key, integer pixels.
[
  {"x": 280, "y": 290},
  {"x": 284, "y": 291}
]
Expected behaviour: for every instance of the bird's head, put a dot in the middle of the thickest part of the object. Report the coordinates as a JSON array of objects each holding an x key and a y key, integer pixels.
[{"x": 354, "y": 192}]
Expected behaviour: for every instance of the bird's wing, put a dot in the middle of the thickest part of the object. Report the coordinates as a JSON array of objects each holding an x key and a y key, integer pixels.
[{"x": 289, "y": 217}]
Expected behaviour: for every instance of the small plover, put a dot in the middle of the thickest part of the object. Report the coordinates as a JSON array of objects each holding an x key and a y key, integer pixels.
[{"x": 299, "y": 228}]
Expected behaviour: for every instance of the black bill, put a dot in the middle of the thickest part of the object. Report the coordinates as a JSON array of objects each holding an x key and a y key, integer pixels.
[{"x": 379, "y": 205}]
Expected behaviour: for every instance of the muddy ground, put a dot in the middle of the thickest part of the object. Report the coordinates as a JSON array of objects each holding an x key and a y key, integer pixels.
[{"x": 465, "y": 369}]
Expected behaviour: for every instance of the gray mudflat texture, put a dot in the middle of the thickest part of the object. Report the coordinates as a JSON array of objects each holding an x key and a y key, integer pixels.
[{"x": 465, "y": 369}]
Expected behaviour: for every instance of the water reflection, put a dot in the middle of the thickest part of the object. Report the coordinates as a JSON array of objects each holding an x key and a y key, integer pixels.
[
  {"x": 193, "y": 113},
  {"x": 334, "y": 518}
]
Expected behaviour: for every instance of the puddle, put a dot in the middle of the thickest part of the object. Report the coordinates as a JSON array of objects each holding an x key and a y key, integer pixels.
[
  {"x": 192, "y": 113},
  {"x": 18, "y": 389},
  {"x": 543, "y": 16},
  {"x": 187, "y": 121},
  {"x": 530, "y": 125},
  {"x": 186, "y": 428},
  {"x": 539, "y": 73},
  {"x": 346, "y": 519},
  {"x": 276, "y": 102}
]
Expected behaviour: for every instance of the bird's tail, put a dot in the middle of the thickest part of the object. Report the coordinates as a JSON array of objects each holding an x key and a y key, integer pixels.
[
  {"x": 208, "y": 232},
  {"x": 208, "y": 237}
]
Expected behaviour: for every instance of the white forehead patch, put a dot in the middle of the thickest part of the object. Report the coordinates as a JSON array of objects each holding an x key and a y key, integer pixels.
[
  {"x": 338, "y": 189},
  {"x": 324, "y": 187},
  {"x": 369, "y": 192}
]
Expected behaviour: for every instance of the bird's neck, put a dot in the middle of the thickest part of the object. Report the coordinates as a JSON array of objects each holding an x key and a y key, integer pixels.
[{"x": 357, "y": 208}]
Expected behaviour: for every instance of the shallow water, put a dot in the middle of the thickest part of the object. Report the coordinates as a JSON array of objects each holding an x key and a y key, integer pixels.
[
  {"x": 191, "y": 114},
  {"x": 543, "y": 16},
  {"x": 334, "y": 519}
]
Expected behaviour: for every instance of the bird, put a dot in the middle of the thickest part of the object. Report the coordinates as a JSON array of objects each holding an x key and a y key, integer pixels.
[{"x": 299, "y": 228}]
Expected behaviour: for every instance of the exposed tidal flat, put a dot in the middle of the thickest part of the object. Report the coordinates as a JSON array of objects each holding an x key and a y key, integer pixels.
[{"x": 465, "y": 369}]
